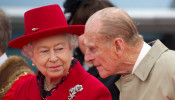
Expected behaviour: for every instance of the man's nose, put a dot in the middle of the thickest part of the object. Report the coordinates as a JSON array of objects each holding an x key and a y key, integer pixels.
[{"x": 89, "y": 57}]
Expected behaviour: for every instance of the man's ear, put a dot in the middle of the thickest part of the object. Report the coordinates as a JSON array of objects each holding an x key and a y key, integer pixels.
[{"x": 119, "y": 46}]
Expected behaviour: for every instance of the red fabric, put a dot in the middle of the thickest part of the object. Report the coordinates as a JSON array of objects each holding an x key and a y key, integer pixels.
[
  {"x": 43, "y": 22},
  {"x": 11, "y": 92},
  {"x": 93, "y": 89}
]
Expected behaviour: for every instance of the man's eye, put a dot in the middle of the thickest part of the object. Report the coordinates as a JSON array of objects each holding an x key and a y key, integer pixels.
[{"x": 91, "y": 49}]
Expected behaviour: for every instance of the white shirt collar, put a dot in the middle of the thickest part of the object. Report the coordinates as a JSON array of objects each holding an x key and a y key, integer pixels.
[
  {"x": 3, "y": 58},
  {"x": 142, "y": 54}
]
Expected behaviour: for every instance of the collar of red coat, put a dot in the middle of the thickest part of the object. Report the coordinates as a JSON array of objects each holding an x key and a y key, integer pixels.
[{"x": 75, "y": 77}]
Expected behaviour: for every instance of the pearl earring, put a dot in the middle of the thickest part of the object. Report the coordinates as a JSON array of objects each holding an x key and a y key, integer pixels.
[{"x": 33, "y": 64}]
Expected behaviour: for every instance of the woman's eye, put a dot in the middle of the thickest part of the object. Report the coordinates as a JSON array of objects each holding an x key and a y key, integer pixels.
[
  {"x": 44, "y": 51},
  {"x": 59, "y": 49}
]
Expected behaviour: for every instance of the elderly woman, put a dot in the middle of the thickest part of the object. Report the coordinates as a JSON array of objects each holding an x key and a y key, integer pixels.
[{"x": 48, "y": 42}]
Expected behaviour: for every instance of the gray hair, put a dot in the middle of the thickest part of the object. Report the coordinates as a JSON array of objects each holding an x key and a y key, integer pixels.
[
  {"x": 5, "y": 31},
  {"x": 114, "y": 22},
  {"x": 72, "y": 39}
]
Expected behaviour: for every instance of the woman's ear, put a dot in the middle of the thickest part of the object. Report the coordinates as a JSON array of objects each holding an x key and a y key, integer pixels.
[{"x": 119, "y": 46}]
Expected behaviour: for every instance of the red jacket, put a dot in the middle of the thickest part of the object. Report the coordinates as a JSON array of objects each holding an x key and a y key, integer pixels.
[
  {"x": 9, "y": 95},
  {"x": 93, "y": 89}
]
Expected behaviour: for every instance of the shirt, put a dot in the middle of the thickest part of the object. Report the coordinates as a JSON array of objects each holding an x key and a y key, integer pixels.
[
  {"x": 145, "y": 49},
  {"x": 3, "y": 58}
]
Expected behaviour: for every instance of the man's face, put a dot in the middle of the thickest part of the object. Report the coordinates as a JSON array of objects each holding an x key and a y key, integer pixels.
[{"x": 101, "y": 54}]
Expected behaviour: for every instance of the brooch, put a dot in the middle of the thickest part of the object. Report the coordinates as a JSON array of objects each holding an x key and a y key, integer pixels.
[
  {"x": 74, "y": 90},
  {"x": 35, "y": 29}
]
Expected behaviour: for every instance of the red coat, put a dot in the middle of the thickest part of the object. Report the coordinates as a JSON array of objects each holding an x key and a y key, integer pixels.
[{"x": 93, "y": 89}]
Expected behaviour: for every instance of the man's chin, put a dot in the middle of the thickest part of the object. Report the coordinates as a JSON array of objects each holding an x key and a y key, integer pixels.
[
  {"x": 102, "y": 72},
  {"x": 103, "y": 75}
]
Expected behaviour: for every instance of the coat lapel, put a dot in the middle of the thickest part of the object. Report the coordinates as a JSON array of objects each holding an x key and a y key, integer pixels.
[{"x": 146, "y": 65}]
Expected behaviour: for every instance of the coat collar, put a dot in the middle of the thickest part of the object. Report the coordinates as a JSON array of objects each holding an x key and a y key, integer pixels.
[{"x": 146, "y": 65}]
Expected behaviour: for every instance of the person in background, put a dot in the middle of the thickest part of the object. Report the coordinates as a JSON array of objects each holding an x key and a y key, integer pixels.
[
  {"x": 114, "y": 46},
  {"x": 48, "y": 41},
  {"x": 78, "y": 12},
  {"x": 13, "y": 67}
]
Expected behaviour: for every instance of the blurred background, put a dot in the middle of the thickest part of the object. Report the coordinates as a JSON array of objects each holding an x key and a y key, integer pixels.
[{"x": 155, "y": 18}]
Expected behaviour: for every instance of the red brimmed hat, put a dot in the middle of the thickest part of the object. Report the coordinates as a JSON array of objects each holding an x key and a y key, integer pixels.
[{"x": 43, "y": 22}]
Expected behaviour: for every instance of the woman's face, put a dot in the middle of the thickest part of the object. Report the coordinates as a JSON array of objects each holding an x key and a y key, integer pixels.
[{"x": 52, "y": 56}]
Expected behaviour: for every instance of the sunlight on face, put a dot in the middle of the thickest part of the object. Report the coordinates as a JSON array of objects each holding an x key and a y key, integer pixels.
[
  {"x": 52, "y": 56},
  {"x": 81, "y": 44}
]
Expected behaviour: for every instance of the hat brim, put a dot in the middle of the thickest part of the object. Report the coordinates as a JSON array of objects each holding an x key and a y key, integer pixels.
[{"x": 19, "y": 42}]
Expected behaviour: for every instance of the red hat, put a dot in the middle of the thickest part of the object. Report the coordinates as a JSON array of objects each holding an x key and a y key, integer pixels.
[{"x": 43, "y": 22}]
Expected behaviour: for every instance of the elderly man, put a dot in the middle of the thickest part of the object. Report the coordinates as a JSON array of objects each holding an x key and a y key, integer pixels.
[{"x": 114, "y": 46}]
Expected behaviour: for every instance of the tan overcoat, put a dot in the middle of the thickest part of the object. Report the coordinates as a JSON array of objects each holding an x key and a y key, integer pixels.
[{"x": 153, "y": 79}]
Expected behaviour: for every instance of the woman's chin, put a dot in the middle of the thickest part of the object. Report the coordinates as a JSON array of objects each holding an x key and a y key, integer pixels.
[{"x": 56, "y": 75}]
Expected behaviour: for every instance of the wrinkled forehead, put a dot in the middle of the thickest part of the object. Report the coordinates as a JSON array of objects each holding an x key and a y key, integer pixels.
[
  {"x": 88, "y": 33},
  {"x": 91, "y": 39},
  {"x": 92, "y": 29},
  {"x": 88, "y": 39}
]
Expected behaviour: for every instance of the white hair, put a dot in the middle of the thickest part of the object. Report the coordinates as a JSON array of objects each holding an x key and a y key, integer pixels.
[
  {"x": 72, "y": 40},
  {"x": 114, "y": 22}
]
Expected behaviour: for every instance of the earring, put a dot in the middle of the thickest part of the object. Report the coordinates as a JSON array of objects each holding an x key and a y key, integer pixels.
[{"x": 33, "y": 64}]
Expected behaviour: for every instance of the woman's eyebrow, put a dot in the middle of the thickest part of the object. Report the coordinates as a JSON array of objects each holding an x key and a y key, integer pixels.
[{"x": 61, "y": 43}]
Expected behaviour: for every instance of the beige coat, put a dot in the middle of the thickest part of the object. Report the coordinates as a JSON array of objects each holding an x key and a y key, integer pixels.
[{"x": 153, "y": 79}]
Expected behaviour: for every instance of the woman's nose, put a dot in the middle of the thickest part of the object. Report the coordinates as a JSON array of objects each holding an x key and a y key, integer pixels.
[{"x": 53, "y": 58}]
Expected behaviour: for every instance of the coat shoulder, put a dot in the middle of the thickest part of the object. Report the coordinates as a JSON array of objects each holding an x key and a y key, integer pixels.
[
  {"x": 96, "y": 90},
  {"x": 11, "y": 70}
]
